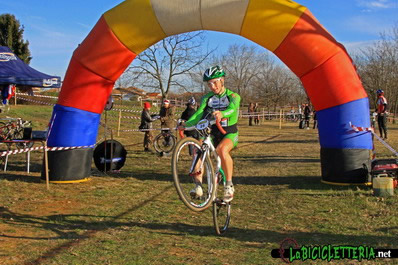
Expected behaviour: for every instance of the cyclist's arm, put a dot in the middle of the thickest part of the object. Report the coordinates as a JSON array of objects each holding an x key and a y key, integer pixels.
[
  {"x": 199, "y": 113},
  {"x": 233, "y": 106}
]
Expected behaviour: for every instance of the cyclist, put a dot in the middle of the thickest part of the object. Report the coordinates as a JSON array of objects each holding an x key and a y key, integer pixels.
[{"x": 224, "y": 105}]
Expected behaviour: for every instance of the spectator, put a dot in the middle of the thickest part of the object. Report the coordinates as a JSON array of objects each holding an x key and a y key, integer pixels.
[
  {"x": 292, "y": 114},
  {"x": 188, "y": 112},
  {"x": 167, "y": 119},
  {"x": 250, "y": 110},
  {"x": 307, "y": 113},
  {"x": 381, "y": 110},
  {"x": 315, "y": 120},
  {"x": 300, "y": 112},
  {"x": 146, "y": 125},
  {"x": 256, "y": 115}
]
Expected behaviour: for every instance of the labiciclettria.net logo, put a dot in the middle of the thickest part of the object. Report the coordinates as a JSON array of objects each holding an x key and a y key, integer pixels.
[{"x": 291, "y": 251}]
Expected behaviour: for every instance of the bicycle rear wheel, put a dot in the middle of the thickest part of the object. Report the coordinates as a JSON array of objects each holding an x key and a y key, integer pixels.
[
  {"x": 221, "y": 210},
  {"x": 221, "y": 215},
  {"x": 185, "y": 156},
  {"x": 164, "y": 142}
]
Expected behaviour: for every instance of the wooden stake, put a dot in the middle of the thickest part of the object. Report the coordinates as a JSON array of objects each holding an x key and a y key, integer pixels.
[{"x": 119, "y": 123}]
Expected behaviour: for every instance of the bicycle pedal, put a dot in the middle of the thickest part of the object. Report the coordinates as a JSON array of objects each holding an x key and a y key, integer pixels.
[{"x": 220, "y": 202}]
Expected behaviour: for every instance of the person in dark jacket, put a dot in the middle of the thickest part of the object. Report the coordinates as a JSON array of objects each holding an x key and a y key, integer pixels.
[
  {"x": 315, "y": 120},
  {"x": 307, "y": 113},
  {"x": 146, "y": 125},
  {"x": 167, "y": 119},
  {"x": 188, "y": 112}
]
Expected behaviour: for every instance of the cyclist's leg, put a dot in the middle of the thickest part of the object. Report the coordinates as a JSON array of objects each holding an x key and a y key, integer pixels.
[
  {"x": 223, "y": 148},
  {"x": 197, "y": 173}
]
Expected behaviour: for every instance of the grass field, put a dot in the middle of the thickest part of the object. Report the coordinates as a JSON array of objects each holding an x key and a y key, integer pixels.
[{"x": 135, "y": 216}]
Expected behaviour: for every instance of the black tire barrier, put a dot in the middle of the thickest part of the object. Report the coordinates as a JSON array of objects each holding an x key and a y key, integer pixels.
[
  {"x": 69, "y": 165},
  {"x": 345, "y": 166},
  {"x": 102, "y": 156}
]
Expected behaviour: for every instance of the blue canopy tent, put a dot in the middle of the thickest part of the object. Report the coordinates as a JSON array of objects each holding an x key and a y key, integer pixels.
[{"x": 14, "y": 71}]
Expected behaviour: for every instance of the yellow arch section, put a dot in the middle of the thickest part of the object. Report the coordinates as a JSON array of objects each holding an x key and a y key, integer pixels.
[
  {"x": 268, "y": 22},
  {"x": 138, "y": 24},
  {"x": 135, "y": 24}
]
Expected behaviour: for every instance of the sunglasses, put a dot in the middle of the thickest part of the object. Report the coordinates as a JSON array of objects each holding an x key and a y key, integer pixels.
[{"x": 213, "y": 81}]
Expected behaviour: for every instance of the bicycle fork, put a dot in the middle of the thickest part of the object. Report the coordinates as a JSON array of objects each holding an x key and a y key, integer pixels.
[{"x": 198, "y": 157}]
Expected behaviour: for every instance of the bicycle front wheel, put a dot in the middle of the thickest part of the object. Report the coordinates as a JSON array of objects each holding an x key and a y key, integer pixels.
[
  {"x": 186, "y": 161},
  {"x": 164, "y": 142}
]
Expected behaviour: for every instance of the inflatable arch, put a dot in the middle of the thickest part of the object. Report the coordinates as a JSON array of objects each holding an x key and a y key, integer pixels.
[{"x": 284, "y": 27}]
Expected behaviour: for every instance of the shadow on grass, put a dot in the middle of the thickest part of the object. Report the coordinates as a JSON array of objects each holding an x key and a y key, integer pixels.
[
  {"x": 294, "y": 182},
  {"x": 280, "y": 142},
  {"x": 139, "y": 175},
  {"x": 63, "y": 224},
  {"x": 21, "y": 165},
  {"x": 278, "y": 159},
  {"x": 24, "y": 178}
]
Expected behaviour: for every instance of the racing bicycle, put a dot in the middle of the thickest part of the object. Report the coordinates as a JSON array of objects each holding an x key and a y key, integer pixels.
[{"x": 192, "y": 157}]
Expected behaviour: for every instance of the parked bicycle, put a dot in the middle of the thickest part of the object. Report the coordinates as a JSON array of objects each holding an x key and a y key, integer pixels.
[
  {"x": 14, "y": 130},
  {"x": 191, "y": 157}
]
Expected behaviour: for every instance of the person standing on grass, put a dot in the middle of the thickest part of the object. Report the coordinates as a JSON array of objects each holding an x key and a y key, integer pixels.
[
  {"x": 187, "y": 114},
  {"x": 307, "y": 113},
  {"x": 256, "y": 116},
  {"x": 381, "y": 109},
  {"x": 166, "y": 114},
  {"x": 315, "y": 120},
  {"x": 250, "y": 110},
  {"x": 224, "y": 105},
  {"x": 146, "y": 125}
]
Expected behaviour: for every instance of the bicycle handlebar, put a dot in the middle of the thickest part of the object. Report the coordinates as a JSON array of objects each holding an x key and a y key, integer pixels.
[{"x": 217, "y": 122}]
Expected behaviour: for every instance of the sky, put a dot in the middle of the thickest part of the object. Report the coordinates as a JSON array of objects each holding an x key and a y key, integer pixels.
[{"x": 54, "y": 28}]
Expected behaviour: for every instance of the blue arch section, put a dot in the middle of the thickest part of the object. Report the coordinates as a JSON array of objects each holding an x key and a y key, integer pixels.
[
  {"x": 73, "y": 127},
  {"x": 335, "y": 130}
]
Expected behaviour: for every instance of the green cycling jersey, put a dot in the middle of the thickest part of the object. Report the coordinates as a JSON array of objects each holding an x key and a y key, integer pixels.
[{"x": 228, "y": 103}]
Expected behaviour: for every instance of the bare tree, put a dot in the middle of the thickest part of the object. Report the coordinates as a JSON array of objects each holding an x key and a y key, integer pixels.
[
  {"x": 241, "y": 62},
  {"x": 378, "y": 67},
  {"x": 127, "y": 79},
  {"x": 164, "y": 65},
  {"x": 277, "y": 86}
]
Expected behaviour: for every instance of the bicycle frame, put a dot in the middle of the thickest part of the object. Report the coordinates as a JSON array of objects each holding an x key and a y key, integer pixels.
[{"x": 208, "y": 148}]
